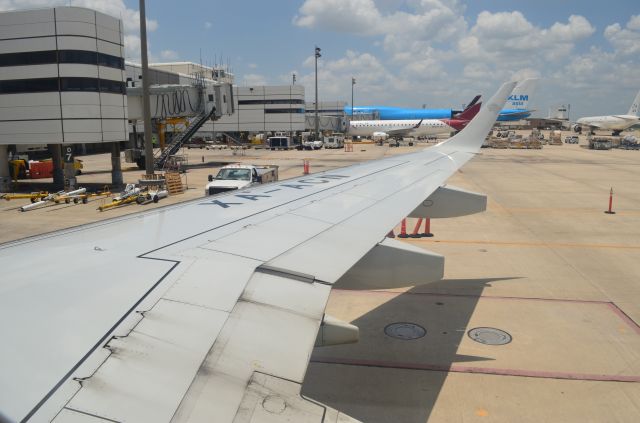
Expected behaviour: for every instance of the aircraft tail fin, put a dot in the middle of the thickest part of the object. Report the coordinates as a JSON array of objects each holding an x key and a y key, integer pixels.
[
  {"x": 635, "y": 106},
  {"x": 521, "y": 95},
  {"x": 473, "y": 102},
  {"x": 456, "y": 113},
  {"x": 470, "y": 112}
]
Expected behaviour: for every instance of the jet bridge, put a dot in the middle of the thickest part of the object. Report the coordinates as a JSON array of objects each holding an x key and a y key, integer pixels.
[{"x": 200, "y": 102}]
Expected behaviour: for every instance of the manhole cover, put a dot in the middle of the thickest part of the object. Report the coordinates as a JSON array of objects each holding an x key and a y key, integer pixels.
[
  {"x": 489, "y": 336},
  {"x": 406, "y": 331}
]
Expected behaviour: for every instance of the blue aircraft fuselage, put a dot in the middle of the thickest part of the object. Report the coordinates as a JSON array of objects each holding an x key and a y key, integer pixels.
[{"x": 399, "y": 113}]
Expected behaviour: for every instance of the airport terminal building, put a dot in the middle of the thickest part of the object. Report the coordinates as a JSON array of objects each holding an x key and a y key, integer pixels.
[
  {"x": 263, "y": 109},
  {"x": 62, "y": 77}
]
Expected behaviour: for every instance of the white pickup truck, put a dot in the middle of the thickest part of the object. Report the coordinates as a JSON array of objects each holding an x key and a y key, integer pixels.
[
  {"x": 312, "y": 145},
  {"x": 239, "y": 176}
]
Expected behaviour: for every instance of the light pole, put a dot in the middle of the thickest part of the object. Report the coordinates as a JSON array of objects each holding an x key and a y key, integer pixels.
[
  {"x": 353, "y": 82},
  {"x": 146, "y": 108},
  {"x": 317, "y": 134},
  {"x": 294, "y": 78}
]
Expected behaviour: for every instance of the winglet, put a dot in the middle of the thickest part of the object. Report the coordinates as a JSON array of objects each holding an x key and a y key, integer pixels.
[
  {"x": 418, "y": 124},
  {"x": 634, "y": 110},
  {"x": 472, "y": 136}
]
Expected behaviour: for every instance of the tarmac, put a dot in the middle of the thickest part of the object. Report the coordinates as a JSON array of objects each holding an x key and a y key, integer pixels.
[
  {"x": 544, "y": 264},
  {"x": 96, "y": 176}
]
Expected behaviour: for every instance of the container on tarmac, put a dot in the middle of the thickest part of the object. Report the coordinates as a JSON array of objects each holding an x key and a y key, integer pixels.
[
  {"x": 280, "y": 143},
  {"x": 334, "y": 141}
]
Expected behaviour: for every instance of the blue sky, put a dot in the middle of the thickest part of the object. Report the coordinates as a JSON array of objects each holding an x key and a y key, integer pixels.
[{"x": 403, "y": 52}]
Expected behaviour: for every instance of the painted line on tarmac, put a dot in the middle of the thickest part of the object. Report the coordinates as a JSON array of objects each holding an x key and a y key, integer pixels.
[
  {"x": 481, "y": 370},
  {"x": 624, "y": 317},
  {"x": 538, "y": 210},
  {"x": 527, "y": 244},
  {"x": 611, "y": 306}
]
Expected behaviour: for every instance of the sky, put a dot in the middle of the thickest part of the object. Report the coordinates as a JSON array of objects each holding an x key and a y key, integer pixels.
[{"x": 407, "y": 53}]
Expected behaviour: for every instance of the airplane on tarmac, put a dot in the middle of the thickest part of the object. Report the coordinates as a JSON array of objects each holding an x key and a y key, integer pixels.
[
  {"x": 516, "y": 107},
  {"x": 383, "y": 129},
  {"x": 208, "y": 310},
  {"x": 614, "y": 123}
]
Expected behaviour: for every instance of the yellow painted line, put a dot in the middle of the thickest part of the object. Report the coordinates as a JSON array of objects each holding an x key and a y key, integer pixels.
[{"x": 529, "y": 244}]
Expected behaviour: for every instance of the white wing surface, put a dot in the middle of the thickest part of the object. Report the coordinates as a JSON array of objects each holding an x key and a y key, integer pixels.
[{"x": 206, "y": 310}]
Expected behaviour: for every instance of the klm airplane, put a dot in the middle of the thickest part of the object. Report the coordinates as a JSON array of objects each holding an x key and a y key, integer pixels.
[{"x": 517, "y": 104}]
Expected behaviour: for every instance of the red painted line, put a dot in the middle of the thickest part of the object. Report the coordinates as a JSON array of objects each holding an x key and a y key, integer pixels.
[
  {"x": 489, "y": 297},
  {"x": 482, "y": 370},
  {"x": 610, "y": 305},
  {"x": 624, "y": 317}
]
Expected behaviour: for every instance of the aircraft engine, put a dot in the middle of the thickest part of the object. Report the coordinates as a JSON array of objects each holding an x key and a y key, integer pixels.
[
  {"x": 380, "y": 136},
  {"x": 577, "y": 128}
]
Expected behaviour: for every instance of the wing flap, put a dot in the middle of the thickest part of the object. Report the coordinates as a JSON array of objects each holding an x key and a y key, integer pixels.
[
  {"x": 148, "y": 371},
  {"x": 258, "y": 337},
  {"x": 274, "y": 400},
  {"x": 215, "y": 282}
]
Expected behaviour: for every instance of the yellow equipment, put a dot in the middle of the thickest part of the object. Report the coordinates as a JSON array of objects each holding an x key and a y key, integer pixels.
[
  {"x": 116, "y": 203},
  {"x": 32, "y": 196},
  {"x": 18, "y": 169},
  {"x": 84, "y": 198}
]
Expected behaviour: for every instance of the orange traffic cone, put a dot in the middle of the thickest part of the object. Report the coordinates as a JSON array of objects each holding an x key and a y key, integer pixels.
[
  {"x": 427, "y": 227},
  {"x": 403, "y": 229},
  {"x": 416, "y": 228}
]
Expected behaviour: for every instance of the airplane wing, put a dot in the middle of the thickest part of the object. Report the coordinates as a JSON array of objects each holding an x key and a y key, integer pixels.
[
  {"x": 404, "y": 131},
  {"x": 206, "y": 310},
  {"x": 592, "y": 125}
]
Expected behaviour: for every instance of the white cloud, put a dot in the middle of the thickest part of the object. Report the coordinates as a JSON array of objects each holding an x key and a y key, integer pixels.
[
  {"x": 334, "y": 77},
  {"x": 252, "y": 66},
  {"x": 425, "y": 51},
  {"x": 352, "y": 16},
  {"x": 510, "y": 39},
  {"x": 576, "y": 29},
  {"x": 254, "y": 79},
  {"x": 116, "y": 8},
  {"x": 169, "y": 55},
  {"x": 424, "y": 39},
  {"x": 625, "y": 41},
  {"x": 208, "y": 25},
  {"x": 634, "y": 23},
  {"x": 429, "y": 20}
]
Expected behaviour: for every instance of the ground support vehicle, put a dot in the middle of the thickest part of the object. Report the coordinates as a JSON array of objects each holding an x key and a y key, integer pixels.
[{"x": 239, "y": 176}]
